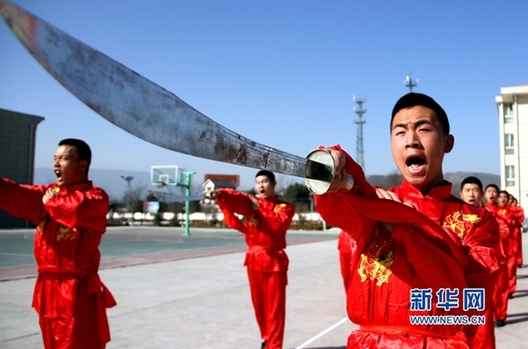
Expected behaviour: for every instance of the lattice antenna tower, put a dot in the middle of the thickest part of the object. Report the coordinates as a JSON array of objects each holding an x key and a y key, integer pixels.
[
  {"x": 360, "y": 121},
  {"x": 409, "y": 82}
]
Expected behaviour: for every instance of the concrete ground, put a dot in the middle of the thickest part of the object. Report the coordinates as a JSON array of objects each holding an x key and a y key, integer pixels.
[{"x": 192, "y": 292}]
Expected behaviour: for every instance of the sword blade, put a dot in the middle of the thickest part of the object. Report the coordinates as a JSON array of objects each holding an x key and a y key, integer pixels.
[{"x": 136, "y": 104}]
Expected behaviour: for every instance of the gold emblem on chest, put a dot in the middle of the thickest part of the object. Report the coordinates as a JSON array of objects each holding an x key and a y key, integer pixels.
[
  {"x": 376, "y": 262},
  {"x": 65, "y": 233},
  {"x": 460, "y": 223}
]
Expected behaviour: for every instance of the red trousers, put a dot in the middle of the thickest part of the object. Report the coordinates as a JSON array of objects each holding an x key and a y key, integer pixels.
[
  {"x": 268, "y": 294},
  {"x": 79, "y": 332},
  {"x": 501, "y": 293},
  {"x": 512, "y": 272},
  {"x": 518, "y": 234},
  {"x": 484, "y": 337}
]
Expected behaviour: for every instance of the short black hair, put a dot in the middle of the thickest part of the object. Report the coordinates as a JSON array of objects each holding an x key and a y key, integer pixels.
[
  {"x": 414, "y": 99},
  {"x": 492, "y": 186},
  {"x": 83, "y": 150},
  {"x": 266, "y": 173},
  {"x": 471, "y": 180}
]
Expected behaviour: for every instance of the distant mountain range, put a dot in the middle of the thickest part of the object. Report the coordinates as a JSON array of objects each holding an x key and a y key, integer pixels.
[{"x": 112, "y": 182}]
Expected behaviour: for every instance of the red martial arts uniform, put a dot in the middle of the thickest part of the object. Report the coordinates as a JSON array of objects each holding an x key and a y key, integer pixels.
[
  {"x": 267, "y": 263},
  {"x": 415, "y": 256},
  {"x": 518, "y": 214},
  {"x": 502, "y": 288},
  {"x": 478, "y": 232},
  {"x": 69, "y": 297},
  {"x": 514, "y": 250}
]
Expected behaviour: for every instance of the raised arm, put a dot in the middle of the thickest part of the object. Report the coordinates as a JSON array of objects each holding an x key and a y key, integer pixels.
[
  {"x": 230, "y": 202},
  {"x": 335, "y": 207},
  {"x": 22, "y": 200}
]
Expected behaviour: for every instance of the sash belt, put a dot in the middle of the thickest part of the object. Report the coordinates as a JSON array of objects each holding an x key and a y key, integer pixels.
[
  {"x": 95, "y": 284},
  {"x": 458, "y": 340}
]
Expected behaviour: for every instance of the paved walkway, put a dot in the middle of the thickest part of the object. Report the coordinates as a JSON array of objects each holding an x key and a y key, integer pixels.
[{"x": 203, "y": 302}]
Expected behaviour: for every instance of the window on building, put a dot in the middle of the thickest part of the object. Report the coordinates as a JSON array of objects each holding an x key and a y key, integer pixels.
[
  {"x": 510, "y": 176},
  {"x": 509, "y": 143},
  {"x": 508, "y": 113}
]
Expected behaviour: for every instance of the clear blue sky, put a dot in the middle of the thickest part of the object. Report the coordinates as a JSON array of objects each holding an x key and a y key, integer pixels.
[{"x": 282, "y": 73}]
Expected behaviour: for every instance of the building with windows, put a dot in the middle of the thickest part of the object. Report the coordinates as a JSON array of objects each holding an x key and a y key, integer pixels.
[
  {"x": 17, "y": 154},
  {"x": 512, "y": 106}
]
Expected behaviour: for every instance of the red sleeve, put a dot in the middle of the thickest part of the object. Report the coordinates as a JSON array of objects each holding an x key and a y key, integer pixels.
[
  {"x": 483, "y": 249},
  {"x": 277, "y": 219},
  {"x": 230, "y": 202},
  {"x": 518, "y": 214},
  {"x": 357, "y": 225},
  {"x": 431, "y": 258},
  {"x": 80, "y": 209},
  {"x": 22, "y": 200}
]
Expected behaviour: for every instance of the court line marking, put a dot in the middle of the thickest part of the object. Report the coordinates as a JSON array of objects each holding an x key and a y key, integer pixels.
[{"x": 322, "y": 333}]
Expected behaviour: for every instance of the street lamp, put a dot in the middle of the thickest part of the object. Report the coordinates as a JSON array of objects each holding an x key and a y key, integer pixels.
[{"x": 128, "y": 179}]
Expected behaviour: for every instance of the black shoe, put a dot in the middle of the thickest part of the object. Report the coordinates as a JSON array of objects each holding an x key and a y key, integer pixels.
[
  {"x": 500, "y": 323},
  {"x": 263, "y": 345}
]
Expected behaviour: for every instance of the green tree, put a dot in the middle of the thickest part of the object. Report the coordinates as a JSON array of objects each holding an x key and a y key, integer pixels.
[
  {"x": 133, "y": 197},
  {"x": 299, "y": 195}
]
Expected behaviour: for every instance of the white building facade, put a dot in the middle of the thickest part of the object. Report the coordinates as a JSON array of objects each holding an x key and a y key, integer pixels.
[{"x": 512, "y": 106}]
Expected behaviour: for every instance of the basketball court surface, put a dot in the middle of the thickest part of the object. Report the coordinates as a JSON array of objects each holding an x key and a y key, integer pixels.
[{"x": 176, "y": 291}]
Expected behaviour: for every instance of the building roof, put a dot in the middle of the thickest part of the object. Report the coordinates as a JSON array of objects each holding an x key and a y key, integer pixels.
[{"x": 221, "y": 184}]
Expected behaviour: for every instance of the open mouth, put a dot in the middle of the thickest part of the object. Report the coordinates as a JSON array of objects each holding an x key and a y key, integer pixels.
[
  {"x": 58, "y": 174},
  {"x": 415, "y": 162}
]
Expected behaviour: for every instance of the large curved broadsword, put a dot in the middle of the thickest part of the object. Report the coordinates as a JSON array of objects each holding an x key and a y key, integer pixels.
[{"x": 141, "y": 107}]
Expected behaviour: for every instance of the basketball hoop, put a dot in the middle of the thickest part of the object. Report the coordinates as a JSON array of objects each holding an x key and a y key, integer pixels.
[{"x": 160, "y": 184}]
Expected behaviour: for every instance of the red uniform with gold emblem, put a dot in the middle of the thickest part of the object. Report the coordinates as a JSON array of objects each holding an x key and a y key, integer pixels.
[
  {"x": 442, "y": 246},
  {"x": 69, "y": 297},
  {"x": 502, "y": 288},
  {"x": 477, "y": 231},
  {"x": 266, "y": 262}
]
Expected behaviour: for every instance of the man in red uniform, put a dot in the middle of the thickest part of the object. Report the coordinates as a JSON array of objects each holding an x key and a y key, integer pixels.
[
  {"x": 471, "y": 192},
  {"x": 506, "y": 211},
  {"x": 266, "y": 221},
  {"x": 501, "y": 290},
  {"x": 506, "y": 203},
  {"x": 69, "y": 297},
  {"x": 409, "y": 258},
  {"x": 518, "y": 213}
]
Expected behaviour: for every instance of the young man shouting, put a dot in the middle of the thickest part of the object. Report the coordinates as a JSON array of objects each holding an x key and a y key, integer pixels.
[
  {"x": 414, "y": 243},
  {"x": 70, "y": 215}
]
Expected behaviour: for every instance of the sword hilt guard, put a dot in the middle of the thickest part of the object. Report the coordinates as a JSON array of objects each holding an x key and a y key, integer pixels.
[{"x": 320, "y": 172}]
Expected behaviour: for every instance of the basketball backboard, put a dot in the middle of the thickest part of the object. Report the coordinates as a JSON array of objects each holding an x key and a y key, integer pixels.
[{"x": 164, "y": 175}]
